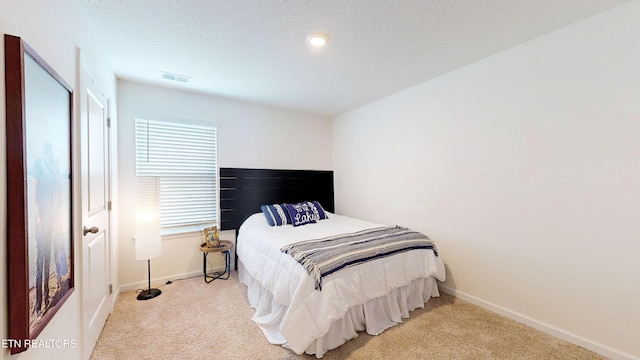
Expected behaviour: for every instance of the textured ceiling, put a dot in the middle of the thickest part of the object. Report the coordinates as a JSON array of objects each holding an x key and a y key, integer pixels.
[{"x": 254, "y": 50}]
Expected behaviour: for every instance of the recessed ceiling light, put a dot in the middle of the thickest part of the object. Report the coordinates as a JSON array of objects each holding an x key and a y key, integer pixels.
[{"x": 318, "y": 39}]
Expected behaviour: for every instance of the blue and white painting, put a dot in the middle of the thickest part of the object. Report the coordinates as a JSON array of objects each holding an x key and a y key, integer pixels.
[{"x": 48, "y": 142}]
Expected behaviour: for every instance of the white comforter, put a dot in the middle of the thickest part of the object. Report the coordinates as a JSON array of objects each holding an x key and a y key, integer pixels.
[{"x": 306, "y": 313}]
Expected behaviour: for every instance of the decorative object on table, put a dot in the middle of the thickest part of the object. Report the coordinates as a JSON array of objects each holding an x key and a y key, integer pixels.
[
  {"x": 212, "y": 237},
  {"x": 39, "y": 108},
  {"x": 148, "y": 239}
]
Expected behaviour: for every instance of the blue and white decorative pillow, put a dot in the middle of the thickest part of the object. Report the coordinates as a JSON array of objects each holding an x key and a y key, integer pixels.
[
  {"x": 301, "y": 213},
  {"x": 318, "y": 210},
  {"x": 276, "y": 214}
]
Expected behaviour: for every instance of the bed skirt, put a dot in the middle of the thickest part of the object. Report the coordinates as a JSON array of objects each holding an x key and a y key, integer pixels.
[{"x": 374, "y": 316}]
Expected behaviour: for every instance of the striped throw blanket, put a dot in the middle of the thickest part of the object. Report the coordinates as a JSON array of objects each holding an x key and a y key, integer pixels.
[{"x": 322, "y": 257}]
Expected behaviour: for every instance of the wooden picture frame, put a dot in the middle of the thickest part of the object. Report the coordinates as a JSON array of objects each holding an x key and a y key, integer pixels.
[
  {"x": 40, "y": 227},
  {"x": 211, "y": 237}
]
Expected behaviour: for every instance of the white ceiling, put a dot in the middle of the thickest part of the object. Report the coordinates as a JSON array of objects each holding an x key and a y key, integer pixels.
[{"x": 254, "y": 50}]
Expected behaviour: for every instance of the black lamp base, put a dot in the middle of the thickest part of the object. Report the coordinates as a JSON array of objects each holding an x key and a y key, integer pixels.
[{"x": 149, "y": 294}]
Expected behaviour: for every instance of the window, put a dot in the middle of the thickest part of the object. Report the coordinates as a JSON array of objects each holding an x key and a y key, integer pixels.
[{"x": 183, "y": 156}]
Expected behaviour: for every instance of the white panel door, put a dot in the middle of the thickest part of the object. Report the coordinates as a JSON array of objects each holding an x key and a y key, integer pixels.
[{"x": 96, "y": 273}]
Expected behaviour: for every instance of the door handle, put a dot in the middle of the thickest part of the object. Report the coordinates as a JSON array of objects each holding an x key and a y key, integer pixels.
[{"x": 92, "y": 230}]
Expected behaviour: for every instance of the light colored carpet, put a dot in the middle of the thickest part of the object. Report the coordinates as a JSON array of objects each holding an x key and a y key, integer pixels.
[{"x": 194, "y": 320}]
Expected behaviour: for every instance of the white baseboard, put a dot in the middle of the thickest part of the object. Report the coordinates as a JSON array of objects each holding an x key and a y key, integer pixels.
[
  {"x": 551, "y": 330},
  {"x": 114, "y": 300},
  {"x": 162, "y": 280}
]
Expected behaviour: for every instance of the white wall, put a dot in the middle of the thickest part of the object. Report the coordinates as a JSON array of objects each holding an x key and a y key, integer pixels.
[
  {"x": 249, "y": 135},
  {"x": 53, "y": 29},
  {"x": 524, "y": 169}
]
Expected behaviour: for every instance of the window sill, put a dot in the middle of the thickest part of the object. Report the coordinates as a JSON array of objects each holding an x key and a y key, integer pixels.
[{"x": 183, "y": 232}]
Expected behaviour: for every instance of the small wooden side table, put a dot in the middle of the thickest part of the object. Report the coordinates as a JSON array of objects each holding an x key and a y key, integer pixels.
[{"x": 224, "y": 248}]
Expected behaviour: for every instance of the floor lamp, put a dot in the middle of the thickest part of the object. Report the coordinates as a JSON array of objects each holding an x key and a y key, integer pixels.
[{"x": 148, "y": 240}]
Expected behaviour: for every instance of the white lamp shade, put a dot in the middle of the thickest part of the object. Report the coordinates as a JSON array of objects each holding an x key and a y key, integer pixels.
[{"x": 147, "y": 238}]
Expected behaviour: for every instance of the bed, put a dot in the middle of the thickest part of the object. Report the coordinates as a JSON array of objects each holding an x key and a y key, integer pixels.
[{"x": 292, "y": 309}]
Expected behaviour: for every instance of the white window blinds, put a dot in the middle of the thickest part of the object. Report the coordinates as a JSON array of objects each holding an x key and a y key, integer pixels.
[{"x": 184, "y": 157}]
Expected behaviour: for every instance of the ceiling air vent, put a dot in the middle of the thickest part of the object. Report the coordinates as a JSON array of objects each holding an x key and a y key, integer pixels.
[{"x": 175, "y": 77}]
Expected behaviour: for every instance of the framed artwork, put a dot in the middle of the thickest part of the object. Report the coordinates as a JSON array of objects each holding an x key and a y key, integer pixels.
[
  {"x": 211, "y": 236},
  {"x": 39, "y": 107}
]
